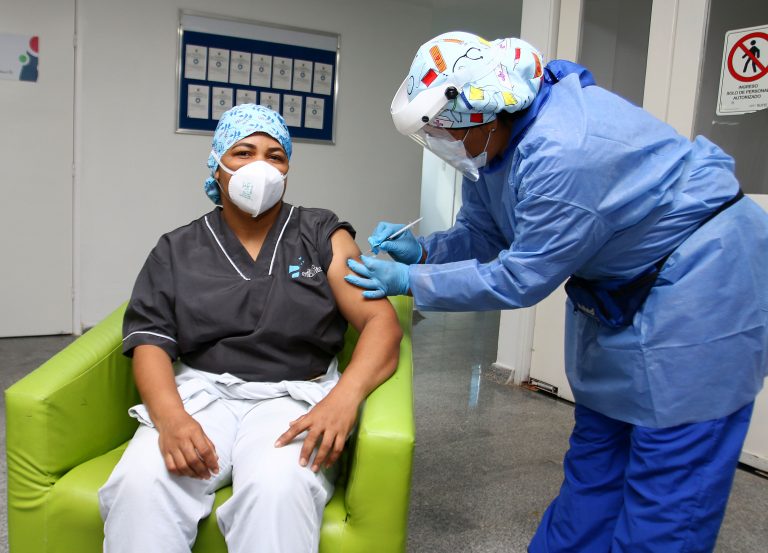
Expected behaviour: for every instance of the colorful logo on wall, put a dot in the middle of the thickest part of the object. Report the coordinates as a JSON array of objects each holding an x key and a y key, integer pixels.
[{"x": 18, "y": 57}]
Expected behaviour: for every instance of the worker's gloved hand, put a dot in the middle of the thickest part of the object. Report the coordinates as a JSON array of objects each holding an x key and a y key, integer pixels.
[
  {"x": 404, "y": 248},
  {"x": 379, "y": 278}
]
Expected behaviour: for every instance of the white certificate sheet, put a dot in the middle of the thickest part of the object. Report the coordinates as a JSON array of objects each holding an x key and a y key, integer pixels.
[
  {"x": 222, "y": 101},
  {"x": 240, "y": 68},
  {"x": 270, "y": 100},
  {"x": 313, "y": 119},
  {"x": 292, "y": 110},
  {"x": 322, "y": 80},
  {"x": 218, "y": 65},
  {"x": 302, "y": 76},
  {"x": 261, "y": 71},
  {"x": 197, "y": 101},
  {"x": 281, "y": 73},
  {"x": 246, "y": 97},
  {"x": 195, "y": 59}
]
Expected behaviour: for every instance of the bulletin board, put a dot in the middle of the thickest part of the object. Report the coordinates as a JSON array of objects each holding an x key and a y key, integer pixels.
[{"x": 223, "y": 62}]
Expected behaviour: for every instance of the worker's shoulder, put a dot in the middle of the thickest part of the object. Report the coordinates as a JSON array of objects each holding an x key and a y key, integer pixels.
[{"x": 588, "y": 122}]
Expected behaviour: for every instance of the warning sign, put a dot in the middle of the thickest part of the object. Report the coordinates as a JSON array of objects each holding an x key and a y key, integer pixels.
[{"x": 744, "y": 73}]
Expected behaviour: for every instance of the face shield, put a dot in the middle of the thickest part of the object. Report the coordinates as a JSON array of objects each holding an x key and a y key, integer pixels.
[
  {"x": 416, "y": 119},
  {"x": 419, "y": 118}
]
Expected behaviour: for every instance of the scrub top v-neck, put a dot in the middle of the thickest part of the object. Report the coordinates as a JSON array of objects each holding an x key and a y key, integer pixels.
[{"x": 202, "y": 298}]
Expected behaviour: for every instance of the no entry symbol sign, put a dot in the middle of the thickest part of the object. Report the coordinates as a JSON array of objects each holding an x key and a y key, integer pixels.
[
  {"x": 744, "y": 73},
  {"x": 748, "y": 47}
]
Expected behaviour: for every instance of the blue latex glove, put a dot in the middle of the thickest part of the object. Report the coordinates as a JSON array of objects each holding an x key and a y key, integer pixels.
[
  {"x": 404, "y": 248},
  {"x": 381, "y": 278}
]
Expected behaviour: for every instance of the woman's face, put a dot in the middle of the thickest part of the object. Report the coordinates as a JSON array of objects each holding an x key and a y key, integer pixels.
[{"x": 258, "y": 146}]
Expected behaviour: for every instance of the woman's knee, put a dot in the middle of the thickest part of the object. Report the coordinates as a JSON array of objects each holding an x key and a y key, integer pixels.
[{"x": 288, "y": 481}]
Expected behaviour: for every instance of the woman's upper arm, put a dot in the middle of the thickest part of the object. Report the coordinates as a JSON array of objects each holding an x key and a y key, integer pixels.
[{"x": 353, "y": 306}]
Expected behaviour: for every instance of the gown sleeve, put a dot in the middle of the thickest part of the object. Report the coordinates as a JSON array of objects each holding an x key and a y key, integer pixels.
[
  {"x": 473, "y": 236},
  {"x": 555, "y": 233},
  {"x": 149, "y": 318}
]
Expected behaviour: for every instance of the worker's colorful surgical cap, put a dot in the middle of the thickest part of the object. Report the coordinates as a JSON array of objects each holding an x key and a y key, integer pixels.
[
  {"x": 510, "y": 84},
  {"x": 237, "y": 123}
]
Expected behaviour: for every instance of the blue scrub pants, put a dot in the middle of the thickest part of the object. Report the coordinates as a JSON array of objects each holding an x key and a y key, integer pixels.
[{"x": 635, "y": 489}]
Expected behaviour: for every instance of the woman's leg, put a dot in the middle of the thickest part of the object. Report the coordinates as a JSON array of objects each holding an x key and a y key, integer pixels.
[
  {"x": 277, "y": 505},
  {"x": 147, "y": 509},
  {"x": 583, "y": 515},
  {"x": 678, "y": 483}
]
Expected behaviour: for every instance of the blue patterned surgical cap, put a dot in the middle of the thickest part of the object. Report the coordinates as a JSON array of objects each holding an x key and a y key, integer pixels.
[
  {"x": 511, "y": 86},
  {"x": 237, "y": 123}
]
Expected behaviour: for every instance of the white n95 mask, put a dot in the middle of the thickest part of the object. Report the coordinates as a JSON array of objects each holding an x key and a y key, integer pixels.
[
  {"x": 453, "y": 152},
  {"x": 255, "y": 187}
]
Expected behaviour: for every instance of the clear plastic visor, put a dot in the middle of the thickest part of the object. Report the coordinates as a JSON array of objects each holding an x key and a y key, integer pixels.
[
  {"x": 448, "y": 148},
  {"x": 429, "y": 136},
  {"x": 410, "y": 116}
]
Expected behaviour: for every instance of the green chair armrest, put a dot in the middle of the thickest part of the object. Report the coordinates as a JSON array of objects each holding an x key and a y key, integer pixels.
[
  {"x": 71, "y": 409},
  {"x": 381, "y": 464}
]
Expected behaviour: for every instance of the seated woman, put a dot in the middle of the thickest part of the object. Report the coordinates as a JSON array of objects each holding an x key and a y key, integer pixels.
[{"x": 251, "y": 299}]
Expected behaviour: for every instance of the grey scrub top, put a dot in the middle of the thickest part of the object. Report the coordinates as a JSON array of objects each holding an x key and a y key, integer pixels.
[{"x": 203, "y": 299}]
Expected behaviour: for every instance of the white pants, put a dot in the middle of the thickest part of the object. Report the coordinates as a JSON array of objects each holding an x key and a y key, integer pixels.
[{"x": 276, "y": 506}]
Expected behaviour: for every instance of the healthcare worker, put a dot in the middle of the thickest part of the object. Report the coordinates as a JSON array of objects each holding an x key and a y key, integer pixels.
[{"x": 667, "y": 270}]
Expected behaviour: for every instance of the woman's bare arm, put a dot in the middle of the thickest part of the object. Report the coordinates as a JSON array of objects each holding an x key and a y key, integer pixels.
[
  {"x": 184, "y": 446},
  {"x": 373, "y": 361}
]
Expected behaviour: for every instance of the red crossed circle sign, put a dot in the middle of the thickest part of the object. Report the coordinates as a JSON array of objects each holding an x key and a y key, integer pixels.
[{"x": 741, "y": 47}]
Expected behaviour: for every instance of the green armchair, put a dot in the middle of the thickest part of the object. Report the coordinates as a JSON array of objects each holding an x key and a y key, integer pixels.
[{"x": 67, "y": 426}]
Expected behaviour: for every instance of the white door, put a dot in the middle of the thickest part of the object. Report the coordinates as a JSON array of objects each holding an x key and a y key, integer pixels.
[
  {"x": 440, "y": 194},
  {"x": 755, "y": 452},
  {"x": 744, "y": 137},
  {"x": 36, "y": 153}
]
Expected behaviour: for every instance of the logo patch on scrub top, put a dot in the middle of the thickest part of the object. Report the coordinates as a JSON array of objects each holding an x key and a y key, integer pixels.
[{"x": 295, "y": 270}]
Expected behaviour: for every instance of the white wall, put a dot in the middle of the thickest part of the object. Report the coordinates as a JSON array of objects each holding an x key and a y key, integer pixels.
[
  {"x": 138, "y": 179},
  {"x": 36, "y": 157},
  {"x": 490, "y": 19}
]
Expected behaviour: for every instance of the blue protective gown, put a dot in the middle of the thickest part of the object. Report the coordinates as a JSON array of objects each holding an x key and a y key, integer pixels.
[{"x": 595, "y": 186}]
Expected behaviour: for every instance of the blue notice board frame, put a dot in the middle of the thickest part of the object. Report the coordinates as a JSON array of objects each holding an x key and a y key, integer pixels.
[{"x": 223, "y": 62}]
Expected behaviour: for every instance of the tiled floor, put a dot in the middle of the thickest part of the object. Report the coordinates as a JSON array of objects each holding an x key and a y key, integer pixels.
[{"x": 488, "y": 456}]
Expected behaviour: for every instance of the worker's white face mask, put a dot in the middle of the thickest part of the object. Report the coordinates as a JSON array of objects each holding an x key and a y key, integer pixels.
[
  {"x": 455, "y": 154},
  {"x": 255, "y": 187}
]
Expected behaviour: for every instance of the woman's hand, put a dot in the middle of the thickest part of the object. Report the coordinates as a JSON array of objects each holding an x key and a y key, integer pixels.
[
  {"x": 186, "y": 449},
  {"x": 328, "y": 423}
]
